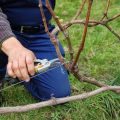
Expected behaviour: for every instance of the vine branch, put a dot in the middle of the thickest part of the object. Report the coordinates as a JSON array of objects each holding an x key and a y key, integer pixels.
[{"x": 55, "y": 101}]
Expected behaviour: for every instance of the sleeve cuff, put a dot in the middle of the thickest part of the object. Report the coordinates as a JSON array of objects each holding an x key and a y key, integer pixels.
[{"x": 5, "y": 38}]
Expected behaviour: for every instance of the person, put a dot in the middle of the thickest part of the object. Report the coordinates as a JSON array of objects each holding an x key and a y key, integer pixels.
[{"x": 23, "y": 39}]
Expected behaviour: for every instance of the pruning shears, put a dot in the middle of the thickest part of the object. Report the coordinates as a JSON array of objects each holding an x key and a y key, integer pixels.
[{"x": 42, "y": 65}]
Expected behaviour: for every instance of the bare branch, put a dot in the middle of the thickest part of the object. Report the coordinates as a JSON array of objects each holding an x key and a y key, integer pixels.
[
  {"x": 61, "y": 28},
  {"x": 55, "y": 101},
  {"x": 91, "y": 81},
  {"x": 92, "y": 23},
  {"x": 106, "y": 11},
  {"x": 113, "y": 31},
  {"x": 52, "y": 36},
  {"x": 83, "y": 36},
  {"x": 79, "y": 10}
]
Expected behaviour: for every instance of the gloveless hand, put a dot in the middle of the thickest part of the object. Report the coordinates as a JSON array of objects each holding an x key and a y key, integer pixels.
[{"x": 20, "y": 60}]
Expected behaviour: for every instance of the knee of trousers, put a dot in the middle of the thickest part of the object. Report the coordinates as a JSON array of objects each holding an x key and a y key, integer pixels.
[{"x": 53, "y": 83}]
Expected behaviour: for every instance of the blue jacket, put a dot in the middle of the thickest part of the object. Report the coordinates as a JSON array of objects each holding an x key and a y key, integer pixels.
[{"x": 25, "y": 12}]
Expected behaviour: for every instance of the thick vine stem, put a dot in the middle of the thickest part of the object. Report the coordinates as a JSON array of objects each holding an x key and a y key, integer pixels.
[{"x": 55, "y": 101}]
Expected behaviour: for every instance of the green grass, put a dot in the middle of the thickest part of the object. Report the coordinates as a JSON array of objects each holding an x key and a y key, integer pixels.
[{"x": 100, "y": 59}]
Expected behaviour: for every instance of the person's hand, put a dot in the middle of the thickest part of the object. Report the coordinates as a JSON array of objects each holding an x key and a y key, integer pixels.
[{"x": 20, "y": 60}]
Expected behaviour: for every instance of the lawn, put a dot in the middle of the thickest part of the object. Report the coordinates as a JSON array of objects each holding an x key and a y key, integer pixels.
[{"x": 100, "y": 59}]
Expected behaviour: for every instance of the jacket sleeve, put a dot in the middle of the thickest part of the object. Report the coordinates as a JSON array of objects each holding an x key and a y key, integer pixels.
[{"x": 5, "y": 29}]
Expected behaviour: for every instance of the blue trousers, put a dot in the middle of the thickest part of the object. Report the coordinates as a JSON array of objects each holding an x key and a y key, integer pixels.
[{"x": 52, "y": 83}]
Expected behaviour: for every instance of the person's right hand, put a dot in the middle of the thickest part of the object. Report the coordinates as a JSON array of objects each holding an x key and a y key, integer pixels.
[{"x": 20, "y": 60}]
